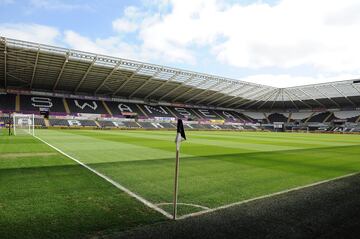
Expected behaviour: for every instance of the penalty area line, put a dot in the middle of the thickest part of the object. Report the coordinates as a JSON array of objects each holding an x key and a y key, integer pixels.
[
  {"x": 116, "y": 184},
  {"x": 265, "y": 196}
]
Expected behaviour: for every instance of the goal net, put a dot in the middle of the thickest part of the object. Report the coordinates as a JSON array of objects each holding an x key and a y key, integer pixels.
[
  {"x": 23, "y": 124},
  {"x": 300, "y": 129}
]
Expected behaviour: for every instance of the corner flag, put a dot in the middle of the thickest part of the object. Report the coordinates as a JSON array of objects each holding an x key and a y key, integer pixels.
[{"x": 180, "y": 136}]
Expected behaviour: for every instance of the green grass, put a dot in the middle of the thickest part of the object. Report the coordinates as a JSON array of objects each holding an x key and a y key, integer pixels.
[
  {"x": 216, "y": 168},
  {"x": 45, "y": 195}
]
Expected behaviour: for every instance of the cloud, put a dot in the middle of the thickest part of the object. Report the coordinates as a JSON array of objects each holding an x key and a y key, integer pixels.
[
  {"x": 122, "y": 25},
  {"x": 271, "y": 41},
  {"x": 31, "y": 32}
]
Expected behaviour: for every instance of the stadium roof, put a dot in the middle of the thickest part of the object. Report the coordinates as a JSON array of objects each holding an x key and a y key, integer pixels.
[{"x": 34, "y": 66}]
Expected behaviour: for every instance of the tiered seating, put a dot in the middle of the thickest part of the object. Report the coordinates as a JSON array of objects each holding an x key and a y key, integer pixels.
[
  {"x": 148, "y": 125},
  {"x": 72, "y": 122},
  {"x": 353, "y": 119},
  {"x": 32, "y": 104},
  {"x": 276, "y": 117},
  {"x": 331, "y": 118},
  {"x": 156, "y": 111},
  {"x": 111, "y": 124},
  {"x": 4, "y": 119},
  {"x": 256, "y": 116},
  {"x": 7, "y": 102},
  {"x": 300, "y": 116},
  {"x": 168, "y": 125},
  {"x": 225, "y": 126},
  {"x": 350, "y": 116},
  {"x": 196, "y": 126},
  {"x": 227, "y": 115},
  {"x": 131, "y": 124},
  {"x": 58, "y": 122},
  {"x": 183, "y": 113},
  {"x": 86, "y": 106},
  {"x": 39, "y": 122},
  {"x": 88, "y": 123},
  {"x": 319, "y": 117},
  {"x": 118, "y": 108},
  {"x": 207, "y": 114}
]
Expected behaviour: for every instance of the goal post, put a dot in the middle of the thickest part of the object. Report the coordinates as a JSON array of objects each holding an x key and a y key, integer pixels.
[
  {"x": 300, "y": 129},
  {"x": 23, "y": 124}
]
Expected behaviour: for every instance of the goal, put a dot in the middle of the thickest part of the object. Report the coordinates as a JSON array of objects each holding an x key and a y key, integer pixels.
[
  {"x": 300, "y": 129},
  {"x": 23, "y": 124}
]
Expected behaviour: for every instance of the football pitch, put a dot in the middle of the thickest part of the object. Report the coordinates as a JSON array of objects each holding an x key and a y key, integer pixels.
[{"x": 40, "y": 185}]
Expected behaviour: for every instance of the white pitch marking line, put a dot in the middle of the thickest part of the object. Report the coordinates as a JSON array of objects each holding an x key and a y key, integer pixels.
[
  {"x": 119, "y": 186},
  {"x": 264, "y": 196},
  {"x": 180, "y": 203}
]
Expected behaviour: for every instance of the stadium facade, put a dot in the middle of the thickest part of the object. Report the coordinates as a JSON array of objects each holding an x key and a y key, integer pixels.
[{"x": 85, "y": 89}]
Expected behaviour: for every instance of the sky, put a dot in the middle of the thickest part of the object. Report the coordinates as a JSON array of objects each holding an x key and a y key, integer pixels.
[{"x": 279, "y": 43}]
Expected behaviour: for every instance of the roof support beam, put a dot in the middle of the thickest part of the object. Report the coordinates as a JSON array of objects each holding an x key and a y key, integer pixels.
[
  {"x": 180, "y": 85},
  {"x": 343, "y": 95},
  {"x": 247, "y": 101},
  {"x": 190, "y": 90},
  {"x": 276, "y": 97},
  {"x": 162, "y": 85},
  {"x": 352, "y": 84},
  {"x": 307, "y": 105},
  {"x": 85, "y": 75},
  {"x": 327, "y": 97},
  {"x": 237, "y": 96},
  {"x": 127, "y": 80},
  {"x": 268, "y": 94},
  {"x": 291, "y": 99},
  {"x": 226, "y": 95},
  {"x": 61, "y": 71},
  {"x": 322, "y": 105},
  {"x": 107, "y": 77},
  {"x": 215, "y": 93},
  {"x": 201, "y": 93},
  {"x": 145, "y": 83},
  {"x": 246, "y": 97},
  {"x": 34, "y": 70}
]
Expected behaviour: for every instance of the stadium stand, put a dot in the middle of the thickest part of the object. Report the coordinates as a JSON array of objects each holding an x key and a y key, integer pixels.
[
  {"x": 350, "y": 116},
  {"x": 32, "y": 104},
  {"x": 39, "y": 122},
  {"x": 111, "y": 124},
  {"x": 131, "y": 124},
  {"x": 148, "y": 125},
  {"x": 277, "y": 117},
  {"x": 123, "y": 109},
  {"x": 7, "y": 102},
  {"x": 59, "y": 122},
  {"x": 86, "y": 106},
  {"x": 156, "y": 111},
  {"x": 169, "y": 94},
  {"x": 183, "y": 113},
  {"x": 319, "y": 117}
]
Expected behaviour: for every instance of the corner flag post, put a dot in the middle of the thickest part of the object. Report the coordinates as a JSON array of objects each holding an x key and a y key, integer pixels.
[{"x": 180, "y": 136}]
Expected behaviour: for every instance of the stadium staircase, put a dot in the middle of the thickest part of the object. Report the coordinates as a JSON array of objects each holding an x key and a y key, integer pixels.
[
  {"x": 107, "y": 108},
  {"x": 310, "y": 117},
  {"x": 289, "y": 117},
  {"x": 66, "y": 106},
  {"x": 17, "y": 103},
  {"x": 47, "y": 123},
  {"x": 328, "y": 117}
]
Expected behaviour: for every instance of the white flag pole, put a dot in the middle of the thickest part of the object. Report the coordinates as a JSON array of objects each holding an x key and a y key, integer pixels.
[{"x": 176, "y": 186}]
